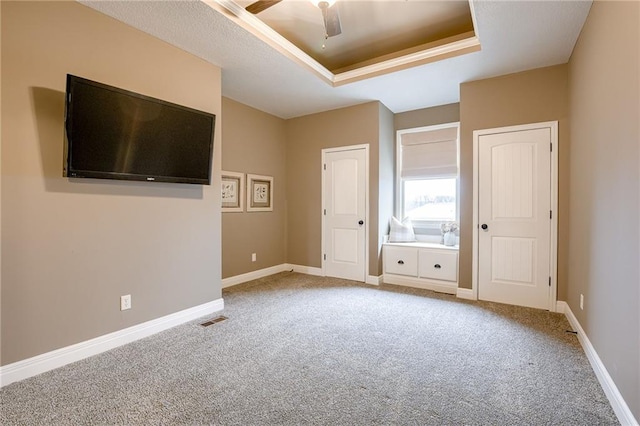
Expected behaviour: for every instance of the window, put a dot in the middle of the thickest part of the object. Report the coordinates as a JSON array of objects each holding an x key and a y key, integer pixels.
[
  {"x": 427, "y": 186},
  {"x": 430, "y": 199}
]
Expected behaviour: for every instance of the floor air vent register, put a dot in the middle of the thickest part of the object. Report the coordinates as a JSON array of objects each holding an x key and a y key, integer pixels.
[{"x": 213, "y": 321}]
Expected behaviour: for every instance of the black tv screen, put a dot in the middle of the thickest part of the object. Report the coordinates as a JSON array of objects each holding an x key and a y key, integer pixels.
[{"x": 117, "y": 134}]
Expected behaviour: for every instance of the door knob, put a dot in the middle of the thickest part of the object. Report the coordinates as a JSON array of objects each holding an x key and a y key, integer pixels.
[
  {"x": 484, "y": 226},
  {"x": 361, "y": 222}
]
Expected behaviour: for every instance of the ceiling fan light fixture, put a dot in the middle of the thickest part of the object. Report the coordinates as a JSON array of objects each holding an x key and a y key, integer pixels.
[{"x": 323, "y": 3}]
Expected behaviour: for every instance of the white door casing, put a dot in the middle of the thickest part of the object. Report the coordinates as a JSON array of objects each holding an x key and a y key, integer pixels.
[
  {"x": 515, "y": 185},
  {"x": 345, "y": 213}
]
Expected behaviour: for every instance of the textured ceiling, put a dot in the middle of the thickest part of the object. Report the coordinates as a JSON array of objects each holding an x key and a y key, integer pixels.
[{"x": 514, "y": 35}]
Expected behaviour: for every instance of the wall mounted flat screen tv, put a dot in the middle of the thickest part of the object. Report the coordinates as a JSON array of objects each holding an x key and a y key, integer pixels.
[{"x": 117, "y": 134}]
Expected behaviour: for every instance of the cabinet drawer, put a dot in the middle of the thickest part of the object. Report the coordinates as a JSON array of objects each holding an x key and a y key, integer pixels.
[
  {"x": 401, "y": 260},
  {"x": 438, "y": 265}
]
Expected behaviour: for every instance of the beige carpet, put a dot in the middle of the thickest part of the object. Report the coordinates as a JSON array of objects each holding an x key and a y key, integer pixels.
[{"x": 299, "y": 349}]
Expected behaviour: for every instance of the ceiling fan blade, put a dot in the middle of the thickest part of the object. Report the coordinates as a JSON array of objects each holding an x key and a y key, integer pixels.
[
  {"x": 331, "y": 21},
  {"x": 261, "y": 5}
]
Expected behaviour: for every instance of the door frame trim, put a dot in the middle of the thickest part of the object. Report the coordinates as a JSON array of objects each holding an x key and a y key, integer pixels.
[
  {"x": 553, "y": 250},
  {"x": 326, "y": 151}
]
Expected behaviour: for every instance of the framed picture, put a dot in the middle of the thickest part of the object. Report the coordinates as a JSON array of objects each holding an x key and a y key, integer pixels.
[
  {"x": 232, "y": 192},
  {"x": 259, "y": 193}
]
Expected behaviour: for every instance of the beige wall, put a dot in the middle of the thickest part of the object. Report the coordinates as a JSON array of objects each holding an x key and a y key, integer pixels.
[
  {"x": 72, "y": 248},
  {"x": 604, "y": 96},
  {"x": 442, "y": 114},
  {"x": 0, "y": 189},
  {"x": 254, "y": 142},
  {"x": 260, "y": 146},
  {"x": 386, "y": 185},
  {"x": 528, "y": 97},
  {"x": 306, "y": 137}
]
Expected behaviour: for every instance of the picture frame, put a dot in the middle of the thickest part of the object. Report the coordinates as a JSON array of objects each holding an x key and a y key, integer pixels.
[
  {"x": 232, "y": 192},
  {"x": 259, "y": 193}
]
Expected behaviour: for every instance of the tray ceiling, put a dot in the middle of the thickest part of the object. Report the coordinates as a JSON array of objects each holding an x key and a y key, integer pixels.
[
  {"x": 256, "y": 71},
  {"x": 370, "y": 29}
]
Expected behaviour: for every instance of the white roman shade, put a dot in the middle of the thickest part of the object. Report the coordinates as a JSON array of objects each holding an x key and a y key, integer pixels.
[{"x": 430, "y": 154}]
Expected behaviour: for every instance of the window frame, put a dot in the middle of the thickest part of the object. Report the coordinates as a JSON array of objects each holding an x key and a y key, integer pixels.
[{"x": 399, "y": 187}]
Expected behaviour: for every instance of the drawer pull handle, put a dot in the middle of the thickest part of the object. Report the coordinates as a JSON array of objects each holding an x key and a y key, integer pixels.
[
  {"x": 400, "y": 262},
  {"x": 437, "y": 266}
]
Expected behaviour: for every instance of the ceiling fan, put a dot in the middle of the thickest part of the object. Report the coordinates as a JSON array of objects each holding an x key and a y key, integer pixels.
[{"x": 329, "y": 13}]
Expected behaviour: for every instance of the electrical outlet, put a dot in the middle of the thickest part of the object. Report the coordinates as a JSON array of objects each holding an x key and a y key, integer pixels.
[
  {"x": 125, "y": 302},
  {"x": 253, "y": 257},
  {"x": 581, "y": 302}
]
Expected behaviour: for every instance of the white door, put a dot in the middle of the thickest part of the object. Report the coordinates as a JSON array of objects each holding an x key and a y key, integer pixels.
[
  {"x": 514, "y": 217},
  {"x": 344, "y": 213}
]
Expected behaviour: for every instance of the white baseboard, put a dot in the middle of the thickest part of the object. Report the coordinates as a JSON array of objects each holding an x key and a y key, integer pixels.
[
  {"x": 620, "y": 407},
  {"x": 561, "y": 307},
  {"x": 465, "y": 293},
  {"x": 254, "y": 275},
  {"x": 309, "y": 270},
  {"x": 48, "y": 361},
  {"x": 372, "y": 279}
]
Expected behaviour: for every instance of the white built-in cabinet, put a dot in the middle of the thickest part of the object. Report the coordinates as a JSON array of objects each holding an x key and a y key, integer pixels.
[{"x": 421, "y": 265}]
